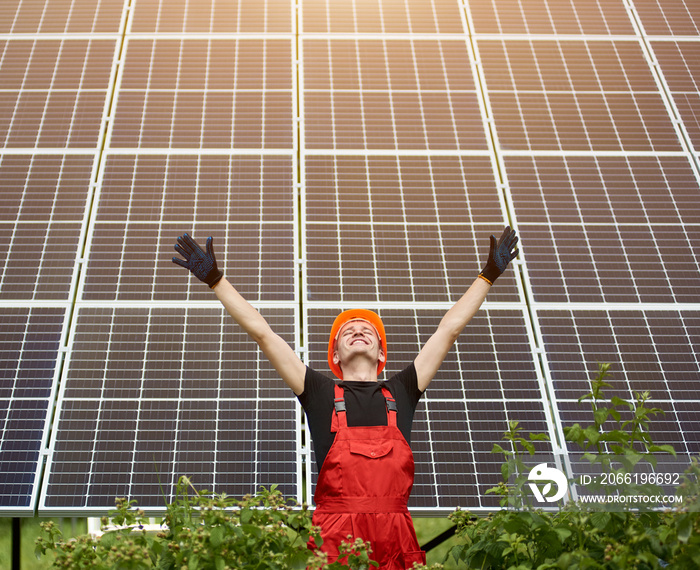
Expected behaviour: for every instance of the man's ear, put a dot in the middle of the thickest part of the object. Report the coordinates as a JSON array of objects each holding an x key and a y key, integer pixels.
[
  {"x": 382, "y": 356},
  {"x": 336, "y": 358}
]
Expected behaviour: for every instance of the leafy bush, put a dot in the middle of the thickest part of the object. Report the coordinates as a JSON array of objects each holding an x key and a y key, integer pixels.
[
  {"x": 205, "y": 531},
  {"x": 579, "y": 536}
]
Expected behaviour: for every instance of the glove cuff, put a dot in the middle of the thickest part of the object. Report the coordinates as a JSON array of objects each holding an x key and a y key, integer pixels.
[
  {"x": 213, "y": 278},
  {"x": 481, "y": 276},
  {"x": 490, "y": 273}
]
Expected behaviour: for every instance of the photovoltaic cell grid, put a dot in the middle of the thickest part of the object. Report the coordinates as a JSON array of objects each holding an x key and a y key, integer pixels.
[
  {"x": 146, "y": 201},
  {"x": 678, "y": 62},
  {"x": 30, "y": 340},
  {"x": 608, "y": 229},
  {"x": 44, "y": 201},
  {"x": 574, "y": 95},
  {"x": 390, "y": 94},
  {"x": 550, "y": 17},
  {"x": 399, "y": 228},
  {"x": 209, "y": 94},
  {"x": 152, "y": 394},
  {"x": 53, "y": 92},
  {"x": 60, "y": 17},
  {"x": 655, "y": 351}
]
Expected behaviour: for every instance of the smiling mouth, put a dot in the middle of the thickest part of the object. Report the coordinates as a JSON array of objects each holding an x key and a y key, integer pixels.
[{"x": 363, "y": 341}]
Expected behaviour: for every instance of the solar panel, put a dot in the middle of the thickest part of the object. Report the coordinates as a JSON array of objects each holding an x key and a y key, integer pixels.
[
  {"x": 341, "y": 154},
  {"x": 151, "y": 394},
  {"x": 677, "y": 60},
  {"x": 648, "y": 350},
  {"x": 30, "y": 342},
  {"x": 59, "y": 16}
]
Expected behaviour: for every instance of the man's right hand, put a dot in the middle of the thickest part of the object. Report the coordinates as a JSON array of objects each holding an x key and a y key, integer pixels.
[{"x": 200, "y": 262}]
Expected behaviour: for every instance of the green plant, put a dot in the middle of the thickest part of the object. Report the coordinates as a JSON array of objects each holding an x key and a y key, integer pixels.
[
  {"x": 207, "y": 532},
  {"x": 514, "y": 468},
  {"x": 577, "y": 536},
  {"x": 617, "y": 443}
]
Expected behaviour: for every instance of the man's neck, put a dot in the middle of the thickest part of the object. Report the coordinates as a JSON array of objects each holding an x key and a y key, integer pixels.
[{"x": 360, "y": 372}]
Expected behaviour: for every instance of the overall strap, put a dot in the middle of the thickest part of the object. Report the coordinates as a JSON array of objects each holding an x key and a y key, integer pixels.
[
  {"x": 391, "y": 408},
  {"x": 340, "y": 419}
]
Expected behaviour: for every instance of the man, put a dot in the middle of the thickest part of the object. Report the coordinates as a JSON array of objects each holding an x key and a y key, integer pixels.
[{"x": 360, "y": 427}]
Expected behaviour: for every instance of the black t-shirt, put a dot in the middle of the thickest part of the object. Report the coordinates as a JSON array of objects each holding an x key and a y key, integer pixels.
[{"x": 364, "y": 402}]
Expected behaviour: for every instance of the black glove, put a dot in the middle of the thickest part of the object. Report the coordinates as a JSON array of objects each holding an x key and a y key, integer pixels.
[
  {"x": 202, "y": 264},
  {"x": 500, "y": 255}
]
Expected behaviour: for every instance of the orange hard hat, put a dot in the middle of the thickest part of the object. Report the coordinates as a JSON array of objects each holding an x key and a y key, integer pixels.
[{"x": 352, "y": 315}]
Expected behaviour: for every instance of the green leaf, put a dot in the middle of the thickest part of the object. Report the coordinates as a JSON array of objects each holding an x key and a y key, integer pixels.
[
  {"x": 216, "y": 537},
  {"x": 685, "y": 527},
  {"x": 562, "y": 532},
  {"x": 600, "y": 415},
  {"x": 592, "y": 435},
  {"x": 299, "y": 559},
  {"x": 662, "y": 448},
  {"x": 505, "y": 471},
  {"x": 246, "y": 515},
  {"x": 538, "y": 437},
  {"x": 600, "y": 519},
  {"x": 219, "y": 563},
  {"x": 573, "y": 433},
  {"x": 252, "y": 529}
]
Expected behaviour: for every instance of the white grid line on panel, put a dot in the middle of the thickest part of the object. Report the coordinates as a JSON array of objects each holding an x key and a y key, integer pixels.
[
  {"x": 672, "y": 39},
  {"x": 426, "y": 399},
  {"x": 10, "y": 126},
  {"x": 392, "y": 152},
  {"x": 593, "y": 153},
  {"x": 646, "y": 217},
  {"x": 235, "y": 85},
  {"x": 50, "y": 89},
  {"x": 100, "y": 411},
  {"x": 100, "y": 157},
  {"x": 663, "y": 15},
  {"x": 41, "y": 36},
  {"x": 130, "y": 484},
  {"x": 237, "y": 35},
  {"x": 659, "y": 362},
  {"x": 178, "y": 414},
  {"x": 598, "y": 279},
  {"x": 16, "y": 373},
  {"x": 663, "y": 88},
  {"x": 48, "y": 228}
]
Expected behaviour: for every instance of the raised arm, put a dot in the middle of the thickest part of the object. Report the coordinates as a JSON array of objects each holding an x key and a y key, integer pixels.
[
  {"x": 434, "y": 351},
  {"x": 202, "y": 264}
]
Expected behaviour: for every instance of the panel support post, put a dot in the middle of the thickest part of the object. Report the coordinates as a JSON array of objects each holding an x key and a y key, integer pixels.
[{"x": 16, "y": 542}]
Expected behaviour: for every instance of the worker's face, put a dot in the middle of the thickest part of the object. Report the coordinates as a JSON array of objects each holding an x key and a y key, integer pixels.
[{"x": 358, "y": 338}]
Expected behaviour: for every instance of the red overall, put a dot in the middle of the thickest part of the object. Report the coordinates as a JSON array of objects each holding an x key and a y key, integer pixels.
[{"x": 363, "y": 490}]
